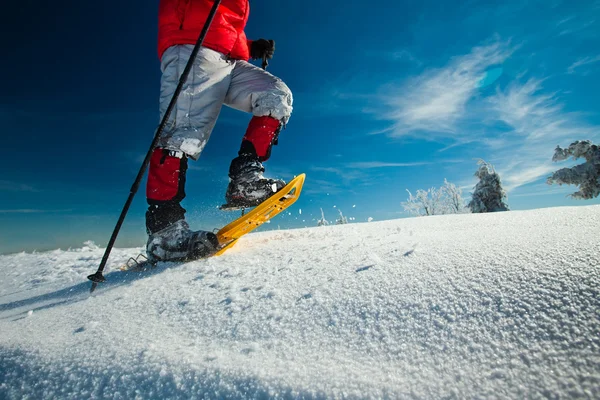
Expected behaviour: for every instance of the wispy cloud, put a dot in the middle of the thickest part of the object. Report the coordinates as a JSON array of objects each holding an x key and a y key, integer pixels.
[
  {"x": 345, "y": 173},
  {"x": 539, "y": 122},
  {"x": 9, "y": 186},
  {"x": 321, "y": 186},
  {"x": 536, "y": 115},
  {"x": 437, "y": 100},
  {"x": 525, "y": 172},
  {"x": 582, "y": 62},
  {"x": 574, "y": 25},
  {"x": 565, "y": 20},
  {"x": 544, "y": 190},
  {"x": 357, "y": 174},
  {"x": 378, "y": 164}
]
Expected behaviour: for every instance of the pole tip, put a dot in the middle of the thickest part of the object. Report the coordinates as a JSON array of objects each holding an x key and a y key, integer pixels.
[{"x": 97, "y": 277}]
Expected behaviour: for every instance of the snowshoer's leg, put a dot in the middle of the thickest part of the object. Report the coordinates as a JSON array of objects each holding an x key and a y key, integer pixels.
[
  {"x": 187, "y": 132},
  {"x": 270, "y": 101},
  {"x": 169, "y": 236}
]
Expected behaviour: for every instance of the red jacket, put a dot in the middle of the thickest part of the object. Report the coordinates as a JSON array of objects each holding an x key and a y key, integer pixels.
[{"x": 180, "y": 22}]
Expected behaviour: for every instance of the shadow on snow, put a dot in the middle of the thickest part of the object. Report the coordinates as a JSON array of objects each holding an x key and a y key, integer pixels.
[{"x": 81, "y": 291}]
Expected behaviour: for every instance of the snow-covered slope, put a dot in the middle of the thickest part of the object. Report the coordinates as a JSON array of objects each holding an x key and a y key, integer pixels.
[{"x": 460, "y": 306}]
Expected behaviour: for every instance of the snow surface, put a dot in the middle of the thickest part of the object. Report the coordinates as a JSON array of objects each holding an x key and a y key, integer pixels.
[{"x": 501, "y": 305}]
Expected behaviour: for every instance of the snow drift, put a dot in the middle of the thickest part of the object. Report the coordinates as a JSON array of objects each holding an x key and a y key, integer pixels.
[{"x": 477, "y": 306}]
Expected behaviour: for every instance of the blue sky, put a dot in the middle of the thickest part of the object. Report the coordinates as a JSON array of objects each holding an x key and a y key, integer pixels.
[{"x": 390, "y": 97}]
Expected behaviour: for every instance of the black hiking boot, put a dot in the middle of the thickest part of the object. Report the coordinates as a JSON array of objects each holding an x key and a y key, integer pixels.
[
  {"x": 177, "y": 242},
  {"x": 247, "y": 185}
]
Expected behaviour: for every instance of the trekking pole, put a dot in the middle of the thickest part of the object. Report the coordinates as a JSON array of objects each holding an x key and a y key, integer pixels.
[{"x": 98, "y": 277}]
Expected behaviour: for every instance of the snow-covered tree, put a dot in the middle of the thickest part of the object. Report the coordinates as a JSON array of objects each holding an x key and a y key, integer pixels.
[
  {"x": 425, "y": 202},
  {"x": 586, "y": 176},
  {"x": 322, "y": 221},
  {"x": 489, "y": 196},
  {"x": 415, "y": 204},
  {"x": 453, "y": 201},
  {"x": 341, "y": 220}
]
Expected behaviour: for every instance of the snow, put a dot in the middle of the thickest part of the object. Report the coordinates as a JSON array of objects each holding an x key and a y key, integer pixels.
[
  {"x": 191, "y": 146},
  {"x": 457, "y": 306}
]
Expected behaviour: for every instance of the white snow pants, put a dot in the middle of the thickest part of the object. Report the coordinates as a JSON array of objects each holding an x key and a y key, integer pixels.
[{"x": 213, "y": 81}]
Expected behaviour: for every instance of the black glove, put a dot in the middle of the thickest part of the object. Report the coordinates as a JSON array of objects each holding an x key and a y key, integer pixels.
[{"x": 262, "y": 48}]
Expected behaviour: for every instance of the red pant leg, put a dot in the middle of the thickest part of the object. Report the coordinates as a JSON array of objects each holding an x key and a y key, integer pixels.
[{"x": 261, "y": 133}]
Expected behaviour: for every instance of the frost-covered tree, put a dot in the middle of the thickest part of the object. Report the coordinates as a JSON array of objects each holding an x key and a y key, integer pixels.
[
  {"x": 489, "y": 196},
  {"x": 425, "y": 202},
  {"x": 445, "y": 200},
  {"x": 341, "y": 220},
  {"x": 453, "y": 201},
  {"x": 586, "y": 176},
  {"x": 416, "y": 204},
  {"x": 322, "y": 221}
]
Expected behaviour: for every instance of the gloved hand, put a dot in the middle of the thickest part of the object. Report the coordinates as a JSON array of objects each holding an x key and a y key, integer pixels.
[{"x": 262, "y": 48}]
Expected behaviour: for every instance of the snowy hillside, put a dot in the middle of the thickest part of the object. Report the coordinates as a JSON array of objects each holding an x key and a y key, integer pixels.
[{"x": 502, "y": 305}]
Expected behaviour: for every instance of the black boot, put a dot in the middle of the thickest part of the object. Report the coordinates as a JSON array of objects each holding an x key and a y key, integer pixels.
[
  {"x": 177, "y": 242},
  {"x": 169, "y": 236},
  {"x": 247, "y": 186}
]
